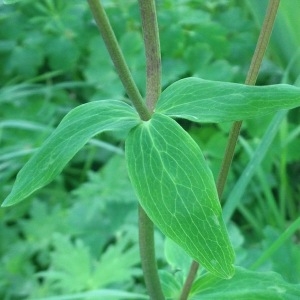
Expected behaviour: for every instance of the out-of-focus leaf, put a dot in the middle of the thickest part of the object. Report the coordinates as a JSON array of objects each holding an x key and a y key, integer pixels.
[
  {"x": 117, "y": 264},
  {"x": 73, "y": 269},
  {"x": 170, "y": 285},
  {"x": 9, "y": 1},
  {"x": 285, "y": 41},
  {"x": 107, "y": 294},
  {"x": 177, "y": 258}
]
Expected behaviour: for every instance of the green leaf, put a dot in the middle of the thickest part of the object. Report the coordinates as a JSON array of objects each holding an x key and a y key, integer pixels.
[
  {"x": 9, "y": 1},
  {"x": 171, "y": 286},
  {"x": 107, "y": 294},
  {"x": 245, "y": 285},
  {"x": 177, "y": 258},
  {"x": 202, "y": 100},
  {"x": 74, "y": 131},
  {"x": 176, "y": 188},
  {"x": 117, "y": 263},
  {"x": 73, "y": 269},
  {"x": 70, "y": 269}
]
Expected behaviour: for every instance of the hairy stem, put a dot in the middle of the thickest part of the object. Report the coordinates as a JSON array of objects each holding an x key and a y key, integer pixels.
[
  {"x": 256, "y": 61},
  {"x": 152, "y": 49},
  {"x": 117, "y": 57},
  {"x": 153, "y": 90}
]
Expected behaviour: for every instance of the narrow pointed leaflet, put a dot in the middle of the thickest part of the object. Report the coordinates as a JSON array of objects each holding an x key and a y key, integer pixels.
[
  {"x": 177, "y": 190},
  {"x": 77, "y": 127},
  {"x": 202, "y": 100}
]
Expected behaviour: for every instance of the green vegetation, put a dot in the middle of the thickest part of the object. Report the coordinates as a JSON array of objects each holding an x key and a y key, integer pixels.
[{"x": 97, "y": 172}]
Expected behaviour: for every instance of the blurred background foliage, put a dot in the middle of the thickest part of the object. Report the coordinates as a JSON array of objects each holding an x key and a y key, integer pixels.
[{"x": 80, "y": 232}]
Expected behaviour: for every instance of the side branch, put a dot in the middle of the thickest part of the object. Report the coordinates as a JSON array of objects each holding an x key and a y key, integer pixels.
[{"x": 118, "y": 59}]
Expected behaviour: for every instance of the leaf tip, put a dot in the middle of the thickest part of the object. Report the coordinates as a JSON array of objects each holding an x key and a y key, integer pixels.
[
  {"x": 12, "y": 199},
  {"x": 222, "y": 268},
  {"x": 231, "y": 272},
  {"x": 226, "y": 272},
  {"x": 5, "y": 204},
  {"x": 8, "y": 202}
]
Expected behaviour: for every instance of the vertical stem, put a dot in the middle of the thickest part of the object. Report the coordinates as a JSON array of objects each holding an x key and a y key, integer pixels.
[
  {"x": 152, "y": 50},
  {"x": 117, "y": 57},
  {"x": 257, "y": 58},
  {"x": 153, "y": 90},
  {"x": 147, "y": 252},
  {"x": 146, "y": 232},
  {"x": 256, "y": 61}
]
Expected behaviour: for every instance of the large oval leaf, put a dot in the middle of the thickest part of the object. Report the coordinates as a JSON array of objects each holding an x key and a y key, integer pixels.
[
  {"x": 176, "y": 188},
  {"x": 202, "y": 100},
  {"x": 68, "y": 138}
]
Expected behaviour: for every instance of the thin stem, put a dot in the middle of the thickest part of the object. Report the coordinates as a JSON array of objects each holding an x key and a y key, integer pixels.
[
  {"x": 257, "y": 58},
  {"x": 147, "y": 252},
  {"x": 263, "y": 41},
  {"x": 152, "y": 49},
  {"x": 228, "y": 156},
  {"x": 189, "y": 281},
  {"x": 256, "y": 61},
  {"x": 117, "y": 57},
  {"x": 153, "y": 90}
]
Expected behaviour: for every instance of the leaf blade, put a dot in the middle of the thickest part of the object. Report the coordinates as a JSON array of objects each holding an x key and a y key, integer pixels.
[
  {"x": 202, "y": 100},
  {"x": 177, "y": 191},
  {"x": 77, "y": 127},
  {"x": 245, "y": 284}
]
